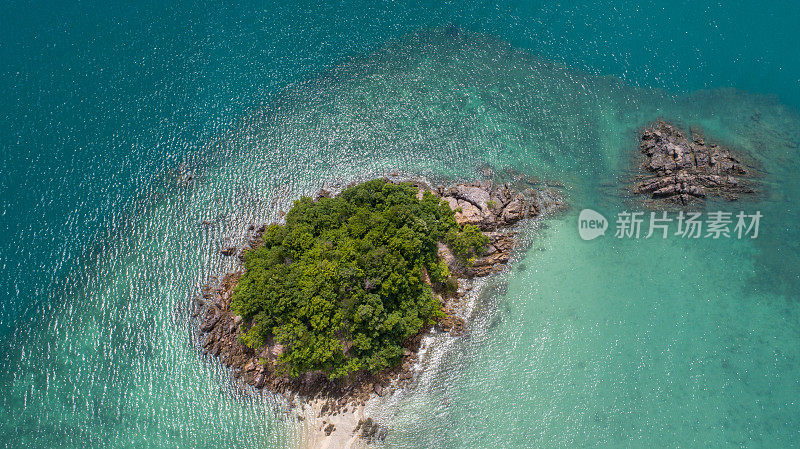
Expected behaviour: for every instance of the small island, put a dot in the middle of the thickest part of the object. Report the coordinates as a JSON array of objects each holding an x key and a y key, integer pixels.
[
  {"x": 332, "y": 303},
  {"x": 346, "y": 280}
]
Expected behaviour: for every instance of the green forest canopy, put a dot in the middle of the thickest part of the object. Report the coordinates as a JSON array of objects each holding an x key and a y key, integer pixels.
[{"x": 340, "y": 285}]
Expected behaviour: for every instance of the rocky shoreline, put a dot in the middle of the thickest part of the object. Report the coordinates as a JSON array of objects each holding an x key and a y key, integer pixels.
[
  {"x": 682, "y": 170},
  {"x": 494, "y": 209}
]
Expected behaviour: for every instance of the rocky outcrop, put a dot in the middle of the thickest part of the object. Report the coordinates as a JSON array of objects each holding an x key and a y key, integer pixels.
[
  {"x": 493, "y": 209},
  {"x": 494, "y": 257},
  {"x": 681, "y": 170},
  {"x": 487, "y": 206}
]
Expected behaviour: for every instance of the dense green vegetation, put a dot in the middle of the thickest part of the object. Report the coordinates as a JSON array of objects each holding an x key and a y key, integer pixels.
[{"x": 340, "y": 285}]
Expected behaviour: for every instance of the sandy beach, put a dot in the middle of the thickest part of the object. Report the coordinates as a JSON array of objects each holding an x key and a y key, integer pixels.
[{"x": 344, "y": 433}]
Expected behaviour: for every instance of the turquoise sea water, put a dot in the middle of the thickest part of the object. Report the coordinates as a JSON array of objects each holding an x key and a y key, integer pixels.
[{"x": 611, "y": 343}]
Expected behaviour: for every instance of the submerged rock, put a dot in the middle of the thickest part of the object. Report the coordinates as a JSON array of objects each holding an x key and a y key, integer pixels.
[{"x": 370, "y": 430}]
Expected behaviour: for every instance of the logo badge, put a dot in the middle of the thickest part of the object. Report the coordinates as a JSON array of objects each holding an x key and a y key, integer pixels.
[{"x": 591, "y": 224}]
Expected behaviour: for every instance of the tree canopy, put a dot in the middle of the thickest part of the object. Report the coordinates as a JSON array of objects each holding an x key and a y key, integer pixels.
[{"x": 340, "y": 284}]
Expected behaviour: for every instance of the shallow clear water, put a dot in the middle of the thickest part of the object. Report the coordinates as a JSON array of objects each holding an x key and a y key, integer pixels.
[{"x": 609, "y": 343}]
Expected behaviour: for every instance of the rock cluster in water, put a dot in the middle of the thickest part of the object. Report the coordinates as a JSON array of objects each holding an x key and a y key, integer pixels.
[{"x": 682, "y": 170}]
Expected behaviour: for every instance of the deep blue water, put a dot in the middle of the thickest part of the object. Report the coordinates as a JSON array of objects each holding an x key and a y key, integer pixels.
[{"x": 105, "y": 105}]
